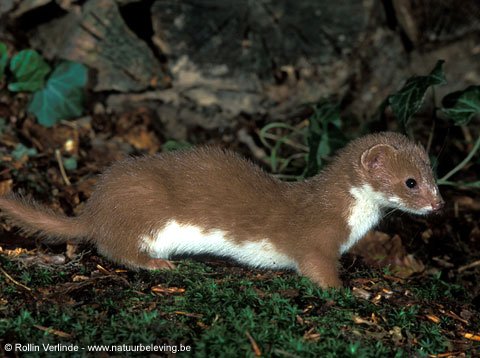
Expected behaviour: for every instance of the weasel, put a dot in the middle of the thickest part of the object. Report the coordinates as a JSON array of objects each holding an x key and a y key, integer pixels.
[{"x": 146, "y": 210}]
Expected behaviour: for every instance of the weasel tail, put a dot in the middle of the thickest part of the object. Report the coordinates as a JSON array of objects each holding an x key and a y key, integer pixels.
[{"x": 33, "y": 218}]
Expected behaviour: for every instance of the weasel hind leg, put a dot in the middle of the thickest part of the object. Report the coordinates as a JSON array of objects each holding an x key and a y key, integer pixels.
[{"x": 146, "y": 262}]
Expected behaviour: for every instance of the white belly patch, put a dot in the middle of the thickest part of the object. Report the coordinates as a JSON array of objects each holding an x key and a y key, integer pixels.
[{"x": 178, "y": 239}]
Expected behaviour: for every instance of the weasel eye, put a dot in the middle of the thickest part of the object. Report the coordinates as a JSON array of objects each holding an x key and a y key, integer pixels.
[{"x": 411, "y": 183}]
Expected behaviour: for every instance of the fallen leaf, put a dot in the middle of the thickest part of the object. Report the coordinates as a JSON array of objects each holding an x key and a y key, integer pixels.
[
  {"x": 79, "y": 278},
  {"x": 299, "y": 320},
  {"x": 433, "y": 318},
  {"x": 361, "y": 293},
  {"x": 6, "y": 186},
  {"x": 360, "y": 320},
  {"x": 311, "y": 335},
  {"x": 202, "y": 325},
  {"x": 396, "y": 334}
]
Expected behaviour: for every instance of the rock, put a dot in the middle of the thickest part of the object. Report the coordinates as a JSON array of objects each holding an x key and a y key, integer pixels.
[{"x": 98, "y": 37}]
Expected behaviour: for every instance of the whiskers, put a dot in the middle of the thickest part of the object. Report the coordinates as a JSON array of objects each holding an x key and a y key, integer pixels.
[{"x": 391, "y": 211}]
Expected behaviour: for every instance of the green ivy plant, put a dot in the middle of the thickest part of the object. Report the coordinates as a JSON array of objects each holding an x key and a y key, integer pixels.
[
  {"x": 3, "y": 59},
  {"x": 323, "y": 134},
  {"x": 460, "y": 107},
  {"x": 57, "y": 94}
]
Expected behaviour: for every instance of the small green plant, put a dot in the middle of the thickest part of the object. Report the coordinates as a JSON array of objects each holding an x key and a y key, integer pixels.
[
  {"x": 313, "y": 141},
  {"x": 172, "y": 145},
  {"x": 60, "y": 96}
]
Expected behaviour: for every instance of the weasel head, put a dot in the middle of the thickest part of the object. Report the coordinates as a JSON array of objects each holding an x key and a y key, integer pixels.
[{"x": 402, "y": 173}]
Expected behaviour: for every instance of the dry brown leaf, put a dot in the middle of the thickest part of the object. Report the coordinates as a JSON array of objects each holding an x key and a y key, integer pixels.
[
  {"x": 311, "y": 335},
  {"x": 361, "y": 293},
  {"x": 143, "y": 140},
  {"x": 6, "y": 186},
  {"x": 396, "y": 334},
  {"x": 408, "y": 265},
  {"x": 299, "y": 320},
  {"x": 202, "y": 325},
  {"x": 80, "y": 278},
  {"x": 433, "y": 318},
  {"x": 379, "y": 249},
  {"x": 360, "y": 320},
  {"x": 16, "y": 252}
]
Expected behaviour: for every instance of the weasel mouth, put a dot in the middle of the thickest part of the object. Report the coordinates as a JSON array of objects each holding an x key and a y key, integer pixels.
[
  {"x": 420, "y": 211},
  {"x": 438, "y": 205}
]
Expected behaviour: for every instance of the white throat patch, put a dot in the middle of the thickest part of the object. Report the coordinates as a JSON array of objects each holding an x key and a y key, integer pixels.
[
  {"x": 365, "y": 213},
  {"x": 177, "y": 239}
]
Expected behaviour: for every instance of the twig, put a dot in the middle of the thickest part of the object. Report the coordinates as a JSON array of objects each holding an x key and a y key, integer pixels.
[
  {"x": 462, "y": 163},
  {"x": 255, "y": 347},
  {"x": 13, "y": 280},
  {"x": 289, "y": 142},
  {"x": 474, "y": 184},
  {"x": 62, "y": 169},
  {"x": 53, "y": 331},
  {"x": 430, "y": 137},
  {"x": 468, "y": 266},
  {"x": 258, "y": 152}
]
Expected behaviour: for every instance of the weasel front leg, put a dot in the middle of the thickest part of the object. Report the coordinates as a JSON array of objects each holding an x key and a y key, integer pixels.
[
  {"x": 322, "y": 270},
  {"x": 158, "y": 264}
]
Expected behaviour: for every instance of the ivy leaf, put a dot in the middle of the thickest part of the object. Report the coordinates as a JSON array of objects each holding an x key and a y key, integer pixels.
[
  {"x": 62, "y": 96},
  {"x": 70, "y": 163},
  {"x": 3, "y": 59},
  {"x": 408, "y": 100},
  {"x": 318, "y": 139},
  {"x": 29, "y": 70},
  {"x": 172, "y": 145},
  {"x": 462, "y": 106},
  {"x": 21, "y": 151}
]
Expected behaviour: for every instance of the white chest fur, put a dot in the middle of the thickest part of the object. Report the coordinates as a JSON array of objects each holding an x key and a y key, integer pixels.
[
  {"x": 177, "y": 239},
  {"x": 365, "y": 213}
]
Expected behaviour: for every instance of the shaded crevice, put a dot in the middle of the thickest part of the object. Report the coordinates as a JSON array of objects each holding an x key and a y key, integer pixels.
[
  {"x": 32, "y": 19},
  {"x": 138, "y": 18},
  {"x": 393, "y": 24}
]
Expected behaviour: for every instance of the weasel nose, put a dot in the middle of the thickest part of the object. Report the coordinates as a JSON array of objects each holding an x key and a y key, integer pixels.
[{"x": 437, "y": 205}]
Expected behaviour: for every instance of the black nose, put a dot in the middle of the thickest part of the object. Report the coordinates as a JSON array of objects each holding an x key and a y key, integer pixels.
[{"x": 437, "y": 205}]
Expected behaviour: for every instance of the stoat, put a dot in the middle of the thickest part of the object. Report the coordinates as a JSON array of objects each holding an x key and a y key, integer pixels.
[{"x": 212, "y": 201}]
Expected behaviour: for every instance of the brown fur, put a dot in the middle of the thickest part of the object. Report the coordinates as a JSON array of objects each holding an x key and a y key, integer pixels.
[{"x": 216, "y": 189}]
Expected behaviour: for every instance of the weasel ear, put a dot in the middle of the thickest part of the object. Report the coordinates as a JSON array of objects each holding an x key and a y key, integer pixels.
[{"x": 375, "y": 157}]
